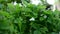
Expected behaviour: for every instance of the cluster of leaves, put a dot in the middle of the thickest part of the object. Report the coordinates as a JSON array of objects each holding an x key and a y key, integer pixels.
[
  {"x": 9, "y": 1},
  {"x": 29, "y": 19}
]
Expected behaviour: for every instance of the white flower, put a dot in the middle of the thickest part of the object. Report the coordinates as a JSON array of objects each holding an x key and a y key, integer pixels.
[
  {"x": 20, "y": 4},
  {"x": 36, "y": 2},
  {"x": 15, "y": 3},
  {"x": 45, "y": 16},
  {"x": 42, "y": 14},
  {"x": 32, "y": 19}
]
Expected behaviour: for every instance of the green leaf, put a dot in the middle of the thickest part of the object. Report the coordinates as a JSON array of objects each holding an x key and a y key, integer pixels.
[{"x": 37, "y": 32}]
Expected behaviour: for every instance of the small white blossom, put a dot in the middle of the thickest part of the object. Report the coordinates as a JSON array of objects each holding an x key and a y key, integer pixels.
[
  {"x": 36, "y": 2},
  {"x": 42, "y": 14},
  {"x": 20, "y": 4},
  {"x": 15, "y": 3},
  {"x": 45, "y": 16},
  {"x": 32, "y": 19}
]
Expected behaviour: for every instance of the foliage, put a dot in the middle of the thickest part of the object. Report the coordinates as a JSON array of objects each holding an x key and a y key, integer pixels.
[{"x": 29, "y": 19}]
